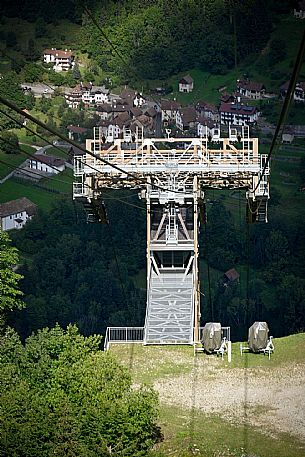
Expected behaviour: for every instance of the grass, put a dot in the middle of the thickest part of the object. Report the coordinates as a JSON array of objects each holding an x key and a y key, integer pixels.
[
  {"x": 189, "y": 432},
  {"x": 151, "y": 363},
  {"x": 208, "y": 87},
  {"x": 13, "y": 189},
  {"x": 194, "y": 433},
  {"x": 64, "y": 34},
  {"x": 13, "y": 160}
]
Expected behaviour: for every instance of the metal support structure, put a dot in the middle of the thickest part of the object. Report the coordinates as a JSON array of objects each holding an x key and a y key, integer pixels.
[{"x": 171, "y": 174}]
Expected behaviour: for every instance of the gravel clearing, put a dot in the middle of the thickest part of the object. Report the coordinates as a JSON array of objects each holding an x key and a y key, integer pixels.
[{"x": 272, "y": 399}]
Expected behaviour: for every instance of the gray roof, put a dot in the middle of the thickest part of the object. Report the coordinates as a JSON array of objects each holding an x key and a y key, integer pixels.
[
  {"x": 186, "y": 80},
  {"x": 52, "y": 161},
  {"x": 17, "y": 206}
]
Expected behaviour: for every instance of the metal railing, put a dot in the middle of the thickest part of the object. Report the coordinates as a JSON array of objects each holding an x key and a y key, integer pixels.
[
  {"x": 126, "y": 335},
  {"x": 123, "y": 335}
]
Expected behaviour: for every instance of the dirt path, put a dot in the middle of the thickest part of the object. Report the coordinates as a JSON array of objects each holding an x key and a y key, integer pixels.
[{"x": 271, "y": 399}]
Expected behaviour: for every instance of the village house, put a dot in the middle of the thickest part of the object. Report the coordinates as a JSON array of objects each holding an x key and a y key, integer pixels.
[
  {"x": 207, "y": 128},
  {"x": 61, "y": 60},
  {"x": 151, "y": 112},
  {"x": 169, "y": 110},
  {"x": 208, "y": 111},
  {"x": 186, "y": 84},
  {"x": 95, "y": 96},
  {"x": 186, "y": 118},
  {"x": 135, "y": 112},
  {"x": 238, "y": 114},
  {"x": 104, "y": 111},
  {"x": 117, "y": 126},
  {"x": 15, "y": 213},
  {"x": 250, "y": 89},
  {"x": 103, "y": 126},
  {"x": 132, "y": 98},
  {"x": 299, "y": 92},
  {"x": 73, "y": 97},
  {"x": 47, "y": 164},
  {"x": 228, "y": 98},
  {"x": 299, "y": 11},
  {"x": 144, "y": 123},
  {"x": 119, "y": 106},
  {"x": 75, "y": 132}
]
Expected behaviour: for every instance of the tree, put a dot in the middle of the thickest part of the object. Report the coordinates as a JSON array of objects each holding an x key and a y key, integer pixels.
[
  {"x": 76, "y": 73},
  {"x": 11, "y": 39},
  {"x": 277, "y": 51},
  {"x": 61, "y": 395},
  {"x": 10, "y": 145},
  {"x": 9, "y": 279},
  {"x": 32, "y": 72},
  {"x": 10, "y": 86},
  {"x": 40, "y": 28},
  {"x": 32, "y": 52}
]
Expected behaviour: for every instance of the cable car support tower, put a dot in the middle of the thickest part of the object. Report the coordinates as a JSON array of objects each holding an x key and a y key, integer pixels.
[{"x": 172, "y": 175}]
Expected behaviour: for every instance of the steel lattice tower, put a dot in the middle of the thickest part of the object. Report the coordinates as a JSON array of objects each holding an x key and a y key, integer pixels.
[{"x": 171, "y": 175}]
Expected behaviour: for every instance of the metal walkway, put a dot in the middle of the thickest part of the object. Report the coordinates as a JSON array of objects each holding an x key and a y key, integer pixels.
[{"x": 170, "y": 309}]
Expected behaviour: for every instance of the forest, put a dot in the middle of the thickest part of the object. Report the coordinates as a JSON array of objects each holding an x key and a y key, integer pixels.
[
  {"x": 84, "y": 273},
  {"x": 134, "y": 40}
]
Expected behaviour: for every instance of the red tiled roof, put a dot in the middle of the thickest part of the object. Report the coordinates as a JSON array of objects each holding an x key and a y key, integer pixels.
[
  {"x": 76, "y": 129},
  {"x": 58, "y": 53}
]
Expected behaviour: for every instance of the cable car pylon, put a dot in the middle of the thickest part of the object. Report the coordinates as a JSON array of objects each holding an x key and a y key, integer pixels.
[{"x": 171, "y": 175}]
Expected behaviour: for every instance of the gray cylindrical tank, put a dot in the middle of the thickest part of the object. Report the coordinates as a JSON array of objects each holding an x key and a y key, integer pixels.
[
  {"x": 211, "y": 336},
  {"x": 258, "y": 336}
]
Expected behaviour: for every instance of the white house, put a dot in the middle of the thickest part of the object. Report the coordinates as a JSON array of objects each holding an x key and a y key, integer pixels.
[
  {"x": 206, "y": 128},
  {"x": 208, "y": 111},
  {"x": 186, "y": 84},
  {"x": 75, "y": 132},
  {"x": 73, "y": 97},
  {"x": 299, "y": 12},
  {"x": 15, "y": 213},
  {"x": 104, "y": 111},
  {"x": 96, "y": 96},
  {"x": 169, "y": 110},
  {"x": 250, "y": 89},
  {"x": 132, "y": 98},
  {"x": 47, "y": 164},
  {"x": 299, "y": 91},
  {"x": 186, "y": 118},
  {"x": 61, "y": 60},
  {"x": 238, "y": 114}
]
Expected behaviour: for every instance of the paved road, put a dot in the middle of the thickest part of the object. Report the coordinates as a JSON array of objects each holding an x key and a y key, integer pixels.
[{"x": 38, "y": 89}]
